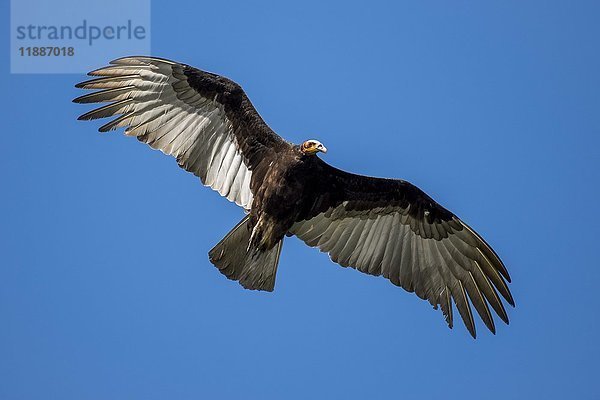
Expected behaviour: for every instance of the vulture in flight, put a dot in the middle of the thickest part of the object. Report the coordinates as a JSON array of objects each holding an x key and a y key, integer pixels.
[{"x": 378, "y": 226}]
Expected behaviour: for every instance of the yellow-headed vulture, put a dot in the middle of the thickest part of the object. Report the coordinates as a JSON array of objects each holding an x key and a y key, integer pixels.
[{"x": 378, "y": 226}]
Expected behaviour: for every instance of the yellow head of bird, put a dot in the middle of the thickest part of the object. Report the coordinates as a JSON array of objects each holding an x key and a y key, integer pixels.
[{"x": 312, "y": 147}]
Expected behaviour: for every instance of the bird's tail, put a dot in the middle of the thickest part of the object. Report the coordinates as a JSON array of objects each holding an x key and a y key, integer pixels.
[{"x": 255, "y": 269}]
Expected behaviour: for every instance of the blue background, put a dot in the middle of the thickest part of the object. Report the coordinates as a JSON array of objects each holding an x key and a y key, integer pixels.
[
  {"x": 71, "y": 14},
  {"x": 106, "y": 291}
]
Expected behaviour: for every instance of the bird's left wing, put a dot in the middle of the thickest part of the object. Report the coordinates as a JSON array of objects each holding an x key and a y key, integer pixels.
[
  {"x": 389, "y": 227},
  {"x": 204, "y": 120}
]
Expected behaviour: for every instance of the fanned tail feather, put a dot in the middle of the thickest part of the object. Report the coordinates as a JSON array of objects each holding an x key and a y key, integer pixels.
[{"x": 253, "y": 268}]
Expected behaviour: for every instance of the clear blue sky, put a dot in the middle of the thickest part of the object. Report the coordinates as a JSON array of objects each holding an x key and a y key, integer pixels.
[{"x": 106, "y": 291}]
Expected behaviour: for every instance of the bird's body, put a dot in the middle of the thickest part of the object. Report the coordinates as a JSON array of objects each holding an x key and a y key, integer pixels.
[
  {"x": 378, "y": 226},
  {"x": 278, "y": 197}
]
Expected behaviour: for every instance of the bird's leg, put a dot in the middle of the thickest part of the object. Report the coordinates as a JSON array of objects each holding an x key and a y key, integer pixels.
[
  {"x": 261, "y": 238},
  {"x": 252, "y": 236}
]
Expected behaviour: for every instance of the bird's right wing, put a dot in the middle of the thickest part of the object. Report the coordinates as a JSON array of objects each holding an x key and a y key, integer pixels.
[
  {"x": 389, "y": 227},
  {"x": 204, "y": 120}
]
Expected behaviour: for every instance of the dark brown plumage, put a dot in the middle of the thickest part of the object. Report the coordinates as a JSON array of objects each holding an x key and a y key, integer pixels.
[{"x": 378, "y": 226}]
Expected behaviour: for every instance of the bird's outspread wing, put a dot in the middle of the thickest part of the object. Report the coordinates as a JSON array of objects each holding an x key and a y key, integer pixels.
[
  {"x": 204, "y": 120},
  {"x": 391, "y": 228}
]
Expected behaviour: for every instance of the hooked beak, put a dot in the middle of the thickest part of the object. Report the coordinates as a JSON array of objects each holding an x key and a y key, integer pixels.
[{"x": 323, "y": 149}]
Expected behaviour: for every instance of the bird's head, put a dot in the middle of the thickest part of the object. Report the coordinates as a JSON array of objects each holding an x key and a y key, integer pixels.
[{"x": 312, "y": 147}]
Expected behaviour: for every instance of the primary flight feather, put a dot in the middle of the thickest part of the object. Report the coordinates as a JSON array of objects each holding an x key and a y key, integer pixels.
[{"x": 378, "y": 226}]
